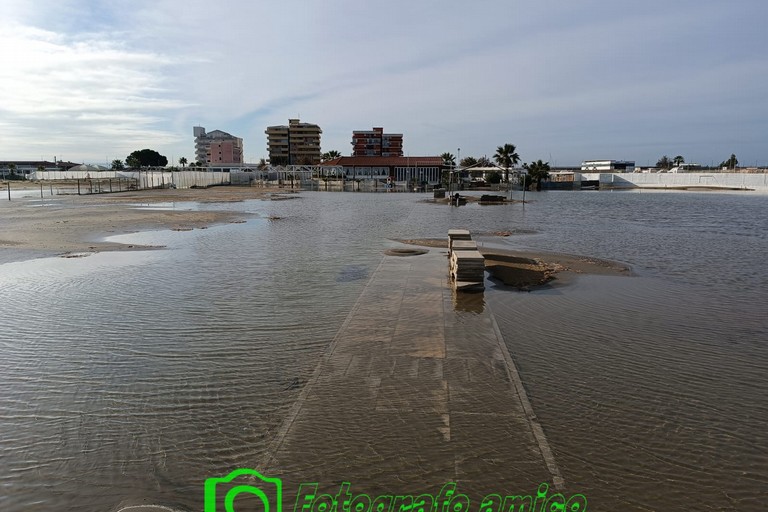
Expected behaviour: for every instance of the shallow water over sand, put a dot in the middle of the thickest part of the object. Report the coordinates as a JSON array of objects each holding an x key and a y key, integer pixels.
[{"x": 130, "y": 378}]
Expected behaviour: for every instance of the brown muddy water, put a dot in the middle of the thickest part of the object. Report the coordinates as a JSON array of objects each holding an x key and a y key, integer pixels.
[{"x": 128, "y": 379}]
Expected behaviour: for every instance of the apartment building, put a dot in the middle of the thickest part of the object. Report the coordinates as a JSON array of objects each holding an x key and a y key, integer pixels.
[
  {"x": 294, "y": 144},
  {"x": 217, "y": 147},
  {"x": 376, "y": 143}
]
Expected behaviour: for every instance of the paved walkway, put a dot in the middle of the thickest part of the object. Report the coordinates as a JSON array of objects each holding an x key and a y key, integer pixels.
[{"x": 416, "y": 390}]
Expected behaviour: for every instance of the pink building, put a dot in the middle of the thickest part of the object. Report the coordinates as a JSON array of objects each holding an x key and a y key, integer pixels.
[
  {"x": 217, "y": 147},
  {"x": 226, "y": 152}
]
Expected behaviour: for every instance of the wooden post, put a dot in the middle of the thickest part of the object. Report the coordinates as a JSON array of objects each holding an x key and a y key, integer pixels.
[
  {"x": 41, "y": 190},
  {"x": 9, "y": 190},
  {"x": 78, "y": 186}
]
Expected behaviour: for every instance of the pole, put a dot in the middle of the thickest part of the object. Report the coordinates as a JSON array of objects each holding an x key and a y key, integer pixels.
[
  {"x": 9, "y": 190},
  {"x": 524, "y": 176}
]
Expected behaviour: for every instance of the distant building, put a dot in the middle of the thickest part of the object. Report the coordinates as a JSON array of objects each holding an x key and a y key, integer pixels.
[
  {"x": 295, "y": 144},
  {"x": 217, "y": 147},
  {"x": 608, "y": 166},
  {"x": 377, "y": 143},
  {"x": 27, "y": 167},
  {"x": 398, "y": 169}
]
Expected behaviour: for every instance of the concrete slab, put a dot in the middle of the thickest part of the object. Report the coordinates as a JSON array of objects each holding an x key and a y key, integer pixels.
[{"x": 406, "y": 401}]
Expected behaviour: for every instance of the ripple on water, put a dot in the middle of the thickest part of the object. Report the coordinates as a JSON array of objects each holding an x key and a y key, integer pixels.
[
  {"x": 642, "y": 400},
  {"x": 136, "y": 376}
]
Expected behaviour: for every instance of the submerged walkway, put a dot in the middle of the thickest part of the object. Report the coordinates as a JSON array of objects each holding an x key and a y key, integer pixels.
[{"x": 416, "y": 390}]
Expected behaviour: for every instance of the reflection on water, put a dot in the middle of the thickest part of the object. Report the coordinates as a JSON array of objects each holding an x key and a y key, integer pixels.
[
  {"x": 130, "y": 378},
  {"x": 470, "y": 302}
]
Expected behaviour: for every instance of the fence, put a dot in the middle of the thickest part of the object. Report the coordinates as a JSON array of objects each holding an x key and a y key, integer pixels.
[{"x": 142, "y": 179}]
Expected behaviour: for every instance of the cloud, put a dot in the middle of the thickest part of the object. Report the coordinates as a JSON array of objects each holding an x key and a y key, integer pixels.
[
  {"x": 571, "y": 78},
  {"x": 60, "y": 93}
]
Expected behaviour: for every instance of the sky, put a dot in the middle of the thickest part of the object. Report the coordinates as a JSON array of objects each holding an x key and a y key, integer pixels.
[{"x": 564, "y": 81}]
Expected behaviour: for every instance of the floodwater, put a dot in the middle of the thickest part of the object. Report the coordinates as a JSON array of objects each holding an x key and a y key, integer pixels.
[{"x": 130, "y": 378}]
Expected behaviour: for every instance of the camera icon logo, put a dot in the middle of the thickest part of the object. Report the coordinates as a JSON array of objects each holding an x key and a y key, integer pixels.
[{"x": 247, "y": 485}]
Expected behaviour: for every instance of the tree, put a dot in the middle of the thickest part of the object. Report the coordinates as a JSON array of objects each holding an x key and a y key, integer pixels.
[
  {"x": 117, "y": 165},
  {"x": 494, "y": 177},
  {"x": 330, "y": 155},
  {"x": 147, "y": 158},
  {"x": 132, "y": 161},
  {"x": 678, "y": 160},
  {"x": 448, "y": 160},
  {"x": 731, "y": 163},
  {"x": 538, "y": 171},
  {"x": 468, "y": 161},
  {"x": 664, "y": 163},
  {"x": 183, "y": 161},
  {"x": 484, "y": 162},
  {"x": 12, "y": 169},
  {"x": 506, "y": 156}
]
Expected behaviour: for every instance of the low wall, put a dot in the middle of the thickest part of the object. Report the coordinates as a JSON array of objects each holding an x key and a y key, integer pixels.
[{"x": 735, "y": 181}]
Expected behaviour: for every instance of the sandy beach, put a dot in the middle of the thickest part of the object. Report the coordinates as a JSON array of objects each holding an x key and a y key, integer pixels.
[{"x": 63, "y": 225}]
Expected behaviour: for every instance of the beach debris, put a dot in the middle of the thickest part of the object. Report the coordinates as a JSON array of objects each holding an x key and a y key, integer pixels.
[
  {"x": 76, "y": 255},
  {"x": 492, "y": 199}
]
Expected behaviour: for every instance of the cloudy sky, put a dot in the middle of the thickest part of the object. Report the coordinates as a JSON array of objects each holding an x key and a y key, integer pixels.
[{"x": 91, "y": 81}]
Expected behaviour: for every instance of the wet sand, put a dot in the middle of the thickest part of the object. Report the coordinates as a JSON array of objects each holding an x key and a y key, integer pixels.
[
  {"x": 63, "y": 225},
  {"x": 525, "y": 270}
]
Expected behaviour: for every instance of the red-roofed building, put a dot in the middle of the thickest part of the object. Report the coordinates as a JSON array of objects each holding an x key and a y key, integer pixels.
[
  {"x": 377, "y": 143},
  {"x": 397, "y": 169}
]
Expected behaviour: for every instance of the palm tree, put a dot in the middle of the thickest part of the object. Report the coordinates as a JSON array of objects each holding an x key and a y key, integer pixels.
[
  {"x": 538, "y": 171},
  {"x": 678, "y": 160},
  {"x": 506, "y": 157},
  {"x": 117, "y": 165},
  {"x": 183, "y": 161},
  {"x": 330, "y": 155},
  {"x": 448, "y": 160}
]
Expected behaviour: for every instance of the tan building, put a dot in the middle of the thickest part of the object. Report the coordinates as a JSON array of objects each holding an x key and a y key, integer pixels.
[{"x": 295, "y": 144}]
